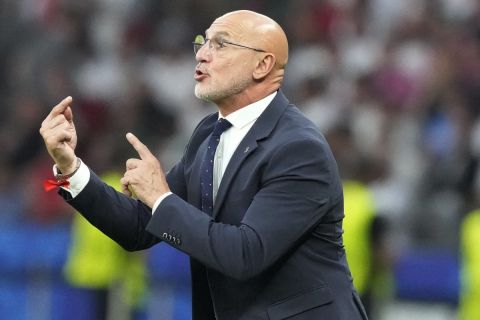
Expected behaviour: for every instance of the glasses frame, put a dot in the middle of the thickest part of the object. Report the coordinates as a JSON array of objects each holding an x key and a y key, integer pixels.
[{"x": 197, "y": 45}]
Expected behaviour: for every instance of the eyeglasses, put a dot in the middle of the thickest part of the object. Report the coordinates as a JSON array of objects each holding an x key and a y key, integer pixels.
[{"x": 217, "y": 44}]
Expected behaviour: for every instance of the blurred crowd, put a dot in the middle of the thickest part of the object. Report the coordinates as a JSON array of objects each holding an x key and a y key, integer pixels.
[{"x": 394, "y": 86}]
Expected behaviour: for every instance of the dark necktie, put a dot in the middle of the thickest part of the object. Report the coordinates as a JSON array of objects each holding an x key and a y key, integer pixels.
[{"x": 206, "y": 173}]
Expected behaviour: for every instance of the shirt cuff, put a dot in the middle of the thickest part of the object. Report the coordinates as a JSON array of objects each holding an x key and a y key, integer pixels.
[
  {"x": 78, "y": 181},
  {"x": 159, "y": 200}
]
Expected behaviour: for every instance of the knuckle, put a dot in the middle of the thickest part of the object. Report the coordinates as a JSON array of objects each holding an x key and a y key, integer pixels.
[{"x": 49, "y": 141}]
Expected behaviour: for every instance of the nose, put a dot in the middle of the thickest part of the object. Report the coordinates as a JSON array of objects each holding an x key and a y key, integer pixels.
[{"x": 203, "y": 54}]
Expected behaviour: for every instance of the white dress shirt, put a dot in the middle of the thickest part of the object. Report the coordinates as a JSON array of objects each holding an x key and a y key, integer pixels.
[{"x": 242, "y": 121}]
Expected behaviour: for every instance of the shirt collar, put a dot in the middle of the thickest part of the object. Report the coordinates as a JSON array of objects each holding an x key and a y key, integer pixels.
[{"x": 249, "y": 113}]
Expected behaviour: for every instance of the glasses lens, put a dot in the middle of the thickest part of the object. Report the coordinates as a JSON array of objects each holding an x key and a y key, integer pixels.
[
  {"x": 199, "y": 39},
  {"x": 198, "y": 43}
]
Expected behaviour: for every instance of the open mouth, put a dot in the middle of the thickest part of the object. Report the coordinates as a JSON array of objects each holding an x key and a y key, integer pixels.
[{"x": 199, "y": 75}]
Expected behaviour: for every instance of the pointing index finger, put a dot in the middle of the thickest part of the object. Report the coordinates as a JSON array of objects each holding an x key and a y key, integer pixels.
[
  {"x": 142, "y": 149},
  {"x": 60, "y": 108}
]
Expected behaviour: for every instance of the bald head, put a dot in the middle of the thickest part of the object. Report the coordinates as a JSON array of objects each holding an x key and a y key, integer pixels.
[
  {"x": 260, "y": 31},
  {"x": 230, "y": 75}
]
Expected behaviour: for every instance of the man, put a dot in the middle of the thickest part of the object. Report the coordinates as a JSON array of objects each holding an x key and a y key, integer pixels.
[{"x": 264, "y": 229}]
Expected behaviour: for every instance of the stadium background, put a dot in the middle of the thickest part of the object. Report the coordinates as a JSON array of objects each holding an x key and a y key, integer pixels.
[{"x": 394, "y": 85}]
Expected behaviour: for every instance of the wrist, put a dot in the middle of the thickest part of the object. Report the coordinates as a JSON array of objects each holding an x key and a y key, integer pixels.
[{"x": 66, "y": 173}]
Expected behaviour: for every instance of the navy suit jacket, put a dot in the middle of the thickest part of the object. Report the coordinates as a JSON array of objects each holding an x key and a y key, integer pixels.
[{"x": 273, "y": 247}]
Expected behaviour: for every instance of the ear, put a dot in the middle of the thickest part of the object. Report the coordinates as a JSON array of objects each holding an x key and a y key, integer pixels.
[{"x": 264, "y": 66}]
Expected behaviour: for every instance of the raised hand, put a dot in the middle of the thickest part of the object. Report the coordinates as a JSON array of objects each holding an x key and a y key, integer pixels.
[
  {"x": 144, "y": 176},
  {"x": 60, "y": 137}
]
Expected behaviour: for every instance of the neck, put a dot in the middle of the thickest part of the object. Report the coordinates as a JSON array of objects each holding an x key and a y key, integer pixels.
[{"x": 234, "y": 103}]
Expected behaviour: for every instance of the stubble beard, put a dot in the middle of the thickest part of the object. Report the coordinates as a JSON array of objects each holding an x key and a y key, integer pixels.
[{"x": 216, "y": 92}]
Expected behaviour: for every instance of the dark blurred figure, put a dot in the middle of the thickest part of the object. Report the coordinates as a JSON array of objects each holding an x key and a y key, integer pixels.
[{"x": 365, "y": 236}]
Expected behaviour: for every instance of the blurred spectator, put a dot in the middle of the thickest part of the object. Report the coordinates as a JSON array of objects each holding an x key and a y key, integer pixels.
[
  {"x": 366, "y": 238},
  {"x": 401, "y": 77},
  {"x": 116, "y": 278},
  {"x": 470, "y": 293}
]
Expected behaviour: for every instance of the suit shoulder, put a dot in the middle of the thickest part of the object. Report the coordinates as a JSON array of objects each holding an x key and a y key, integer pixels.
[
  {"x": 294, "y": 125},
  {"x": 296, "y": 133}
]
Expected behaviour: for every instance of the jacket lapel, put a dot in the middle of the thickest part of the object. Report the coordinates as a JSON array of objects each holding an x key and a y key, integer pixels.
[{"x": 260, "y": 130}]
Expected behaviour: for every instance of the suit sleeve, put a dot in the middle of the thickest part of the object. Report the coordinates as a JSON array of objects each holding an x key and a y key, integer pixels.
[
  {"x": 119, "y": 217},
  {"x": 294, "y": 196}
]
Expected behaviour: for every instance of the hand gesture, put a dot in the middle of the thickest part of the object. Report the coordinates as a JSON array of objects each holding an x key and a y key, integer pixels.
[
  {"x": 144, "y": 176},
  {"x": 60, "y": 137}
]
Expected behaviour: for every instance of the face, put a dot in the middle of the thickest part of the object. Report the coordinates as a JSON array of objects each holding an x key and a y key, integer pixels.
[{"x": 224, "y": 70}]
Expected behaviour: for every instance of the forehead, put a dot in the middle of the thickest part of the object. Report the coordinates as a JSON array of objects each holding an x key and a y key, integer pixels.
[{"x": 226, "y": 26}]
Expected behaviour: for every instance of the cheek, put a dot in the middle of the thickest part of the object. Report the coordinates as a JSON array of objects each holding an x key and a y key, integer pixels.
[
  {"x": 223, "y": 69},
  {"x": 241, "y": 69},
  {"x": 228, "y": 72},
  {"x": 223, "y": 73}
]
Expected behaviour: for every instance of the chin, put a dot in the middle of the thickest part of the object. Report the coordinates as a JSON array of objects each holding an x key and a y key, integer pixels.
[
  {"x": 204, "y": 93},
  {"x": 199, "y": 93}
]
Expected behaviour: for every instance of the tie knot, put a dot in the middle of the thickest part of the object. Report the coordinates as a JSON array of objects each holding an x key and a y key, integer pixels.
[{"x": 220, "y": 126}]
